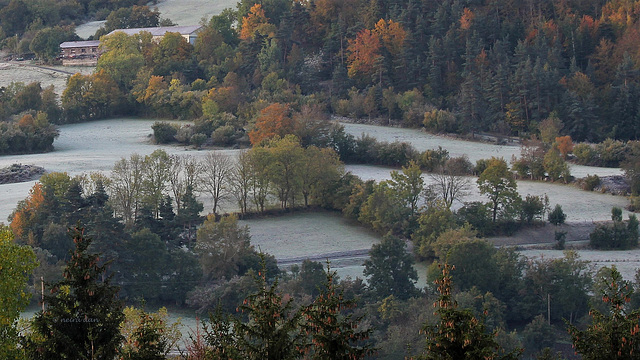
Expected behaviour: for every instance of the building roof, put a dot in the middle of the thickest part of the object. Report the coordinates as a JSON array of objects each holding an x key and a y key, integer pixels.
[
  {"x": 79, "y": 44},
  {"x": 160, "y": 31}
]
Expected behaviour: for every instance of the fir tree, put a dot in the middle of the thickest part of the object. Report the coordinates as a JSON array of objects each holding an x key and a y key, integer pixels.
[{"x": 83, "y": 314}]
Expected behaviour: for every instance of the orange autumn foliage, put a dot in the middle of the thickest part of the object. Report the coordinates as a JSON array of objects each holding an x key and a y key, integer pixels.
[
  {"x": 273, "y": 120},
  {"x": 252, "y": 22},
  {"x": 466, "y": 19},
  {"x": 565, "y": 145},
  {"x": 391, "y": 35},
  {"x": 25, "y": 213},
  {"x": 363, "y": 53}
]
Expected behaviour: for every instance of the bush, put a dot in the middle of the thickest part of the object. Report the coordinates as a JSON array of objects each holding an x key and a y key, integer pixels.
[
  {"x": 184, "y": 134},
  {"x": 478, "y": 215},
  {"x": 585, "y": 154},
  {"x": 439, "y": 121},
  {"x": 224, "y": 135},
  {"x": 434, "y": 159},
  {"x": 163, "y": 132},
  {"x": 557, "y": 216},
  {"x": 459, "y": 166},
  {"x": 611, "y": 152},
  {"x": 590, "y": 182},
  {"x": 198, "y": 139},
  {"x": 532, "y": 208}
]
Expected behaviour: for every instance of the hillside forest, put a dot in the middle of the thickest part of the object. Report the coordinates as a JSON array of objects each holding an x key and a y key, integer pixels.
[{"x": 268, "y": 76}]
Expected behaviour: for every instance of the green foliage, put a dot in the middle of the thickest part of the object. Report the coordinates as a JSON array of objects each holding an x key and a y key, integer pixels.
[
  {"x": 557, "y": 216},
  {"x": 163, "y": 133},
  {"x": 616, "y": 235},
  {"x": 538, "y": 334},
  {"x": 612, "y": 334},
  {"x": 222, "y": 246},
  {"x": 458, "y": 334},
  {"x": 82, "y": 315},
  {"x": 591, "y": 182},
  {"x": 16, "y": 263},
  {"x": 334, "y": 334},
  {"x": 498, "y": 184},
  {"x": 148, "y": 336},
  {"x": 390, "y": 269}
]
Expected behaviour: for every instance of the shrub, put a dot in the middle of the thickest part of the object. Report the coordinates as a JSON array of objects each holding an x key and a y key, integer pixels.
[
  {"x": 163, "y": 132},
  {"x": 611, "y": 152},
  {"x": 439, "y": 121},
  {"x": 459, "y": 165},
  {"x": 198, "y": 139},
  {"x": 434, "y": 159},
  {"x": 478, "y": 215},
  {"x": 532, "y": 208},
  {"x": 184, "y": 134},
  {"x": 585, "y": 154},
  {"x": 591, "y": 182},
  {"x": 224, "y": 135},
  {"x": 557, "y": 216}
]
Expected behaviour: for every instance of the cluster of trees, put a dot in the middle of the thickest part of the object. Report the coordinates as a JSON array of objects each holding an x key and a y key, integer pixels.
[
  {"x": 39, "y": 26},
  {"x": 285, "y": 318},
  {"x": 617, "y": 234},
  {"x": 25, "y": 112},
  {"x": 448, "y": 66}
]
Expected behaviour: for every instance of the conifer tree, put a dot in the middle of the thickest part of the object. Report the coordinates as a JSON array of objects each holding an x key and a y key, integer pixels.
[
  {"x": 335, "y": 335},
  {"x": 83, "y": 314},
  {"x": 614, "y": 334},
  {"x": 459, "y": 334}
]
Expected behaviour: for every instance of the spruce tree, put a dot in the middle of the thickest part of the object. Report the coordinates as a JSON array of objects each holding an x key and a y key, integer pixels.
[
  {"x": 459, "y": 334},
  {"x": 83, "y": 313}
]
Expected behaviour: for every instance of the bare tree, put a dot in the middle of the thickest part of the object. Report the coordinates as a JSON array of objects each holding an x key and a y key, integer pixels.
[
  {"x": 156, "y": 177},
  {"x": 126, "y": 187},
  {"x": 448, "y": 186},
  {"x": 241, "y": 178},
  {"x": 183, "y": 171},
  {"x": 216, "y": 172}
]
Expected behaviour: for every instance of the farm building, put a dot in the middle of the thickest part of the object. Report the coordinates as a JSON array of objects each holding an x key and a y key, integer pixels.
[
  {"x": 190, "y": 33},
  {"x": 87, "y": 52},
  {"x": 80, "y": 52}
]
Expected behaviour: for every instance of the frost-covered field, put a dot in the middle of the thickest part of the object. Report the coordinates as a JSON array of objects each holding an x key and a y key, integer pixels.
[
  {"x": 577, "y": 204},
  {"x": 181, "y": 12},
  {"x": 26, "y": 73},
  {"x": 88, "y": 147},
  {"x": 96, "y": 146},
  {"x": 627, "y": 261},
  {"x": 474, "y": 150}
]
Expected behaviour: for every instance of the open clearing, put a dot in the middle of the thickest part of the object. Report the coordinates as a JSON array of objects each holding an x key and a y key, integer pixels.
[{"x": 181, "y": 12}]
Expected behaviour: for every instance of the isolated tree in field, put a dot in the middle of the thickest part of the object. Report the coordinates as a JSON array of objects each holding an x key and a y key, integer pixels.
[
  {"x": 408, "y": 185},
  {"x": 82, "y": 315},
  {"x": 459, "y": 334},
  {"x": 216, "y": 176},
  {"x": 613, "y": 334},
  {"x": 390, "y": 269},
  {"x": 557, "y": 216},
  {"x": 320, "y": 169},
  {"x": 156, "y": 172},
  {"x": 335, "y": 335},
  {"x": 16, "y": 263},
  {"x": 126, "y": 185},
  {"x": 497, "y": 183},
  {"x": 449, "y": 186}
]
